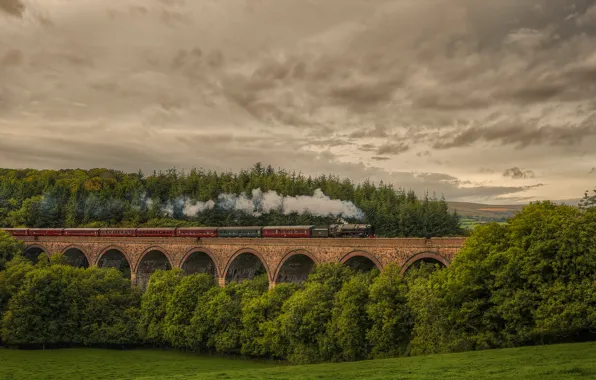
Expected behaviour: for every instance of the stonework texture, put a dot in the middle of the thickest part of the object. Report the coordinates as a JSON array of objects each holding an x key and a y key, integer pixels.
[{"x": 272, "y": 252}]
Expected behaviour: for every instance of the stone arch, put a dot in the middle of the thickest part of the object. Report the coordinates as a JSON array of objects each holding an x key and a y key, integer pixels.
[
  {"x": 31, "y": 252},
  {"x": 361, "y": 261},
  {"x": 76, "y": 256},
  {"x": 204, "y": 262},
  {"x": 245, "y": 264},
  {"x": 152, "y": 259},
  {"x": 425, "y": 257},
  {"x": 114, "y": 256},
  {"x": 295, "y": 266}
]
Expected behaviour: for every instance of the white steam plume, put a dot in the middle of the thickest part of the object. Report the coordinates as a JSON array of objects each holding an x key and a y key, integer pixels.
[
  {"x": 260, "y": 203},
  {"x": 187, "y": 206},
  {"x": 318, "y": 204}
]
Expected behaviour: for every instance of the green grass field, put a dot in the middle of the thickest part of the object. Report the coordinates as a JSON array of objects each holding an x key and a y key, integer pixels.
[{"x": 566, "y": 361}]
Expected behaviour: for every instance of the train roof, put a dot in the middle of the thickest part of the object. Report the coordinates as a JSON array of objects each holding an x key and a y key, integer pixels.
[
  {"x": 241, "y": 228},
  {"x": 197, "y": 228},
  {"x": 156, "y": 228},
  {"x": 288, "y": 227}
]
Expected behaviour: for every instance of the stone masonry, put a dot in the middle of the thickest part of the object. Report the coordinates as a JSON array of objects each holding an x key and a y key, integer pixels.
[{"x": 272, "y": 253}]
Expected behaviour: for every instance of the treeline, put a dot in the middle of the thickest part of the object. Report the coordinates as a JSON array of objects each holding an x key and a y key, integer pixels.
[
  {"x": 532, "y": 281},
  {"x": 102, "y": 197}
]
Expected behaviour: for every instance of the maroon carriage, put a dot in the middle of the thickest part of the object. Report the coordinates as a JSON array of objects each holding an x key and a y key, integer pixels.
[
  {"x": 287, "y": 231},
  {"x": 156, "y": 232}
]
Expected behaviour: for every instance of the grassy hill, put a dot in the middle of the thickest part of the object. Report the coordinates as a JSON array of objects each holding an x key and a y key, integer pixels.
[
  {"x": 473, "y": 214},
  {"x": 466, "y": 209},
  {"x": 566, "y": 361}
]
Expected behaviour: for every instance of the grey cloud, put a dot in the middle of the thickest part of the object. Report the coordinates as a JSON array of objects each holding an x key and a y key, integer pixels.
[
  {"x": 393, "y": 148},
  {"x": 376, "y": 132},
  {"x": 377, "y": 158},
  {"x": 367, "y": 147},
  {"x": 592, "y": 171},
  {"x": 220, "y": 85},
  {"x": 517, "y": 173},
  {"x": 521, "y": 134},
  {"x": 12, "y": 7}
]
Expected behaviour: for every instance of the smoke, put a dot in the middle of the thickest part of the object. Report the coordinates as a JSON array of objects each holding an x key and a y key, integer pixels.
[
  {"x": 261, "y": 203},
  {"x": 187, "y": 207}
]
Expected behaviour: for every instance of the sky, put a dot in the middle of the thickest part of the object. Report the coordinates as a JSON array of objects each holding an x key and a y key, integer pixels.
[{"x": 482, "y": 101}]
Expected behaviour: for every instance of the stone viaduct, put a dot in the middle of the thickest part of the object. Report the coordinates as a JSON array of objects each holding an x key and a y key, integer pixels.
[{"x": 236, "y": 259}]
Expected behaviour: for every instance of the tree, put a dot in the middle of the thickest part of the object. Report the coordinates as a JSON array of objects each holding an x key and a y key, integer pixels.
[
  {"x": 589, "y": 200},
  {"x": 160, "y": 289},
  {"x": 260, "y": 333},
  {"x": 9, "y": 248},
  {"x": 305, "y": 315},
  {"x": 181, "y": 306},
  {"x": 390, "y": 317},
  {"x": 347, "y": 330}
]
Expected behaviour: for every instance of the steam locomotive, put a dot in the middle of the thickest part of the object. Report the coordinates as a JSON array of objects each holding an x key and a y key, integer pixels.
[{"x": 332, "y": 231}]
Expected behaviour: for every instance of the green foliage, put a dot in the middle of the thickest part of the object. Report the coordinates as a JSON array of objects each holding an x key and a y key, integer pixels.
[
  {"x": 589, "y": 200},
  {"x": 390, "y": 317},
  {"x": 217, "y": 321},
  {"x": 261, "y": 326},
  {"x": 161, "y": 287},
  {"x": 59, "y": 304},
  {"x": 181, "y": 306},
  {"x": 9, "y": 248},
  {"x": 346, "y": 331},
  {"x": 102, "y": 197},
  {"x": 529, "y": 282},
  {"x": 306, "y": 314}
]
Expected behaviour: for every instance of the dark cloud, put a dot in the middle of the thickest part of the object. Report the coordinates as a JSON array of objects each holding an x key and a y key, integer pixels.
[
  {"x": 367, "y": 147},
  {"x": 376, "y": 132},
  {"x": 426, "y": 153},
  {"x": 521, "y": 134},
  {"x": 393, "y": 148},
  {"x": 517, "y": 173},
  {"x": 592, "y": 171},
  {"x": 12, "y": 7},
  {"x": 377, "y": 158}
]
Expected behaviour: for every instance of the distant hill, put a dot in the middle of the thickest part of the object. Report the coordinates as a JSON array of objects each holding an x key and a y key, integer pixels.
[{"x": 484, "y": 211}]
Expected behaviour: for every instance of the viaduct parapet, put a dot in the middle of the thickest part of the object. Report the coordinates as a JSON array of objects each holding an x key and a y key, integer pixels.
[{"x": 283, "y": 260}]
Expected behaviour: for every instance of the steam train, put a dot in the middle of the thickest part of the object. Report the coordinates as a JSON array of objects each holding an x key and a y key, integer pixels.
[{"x": 331, "y": 231}]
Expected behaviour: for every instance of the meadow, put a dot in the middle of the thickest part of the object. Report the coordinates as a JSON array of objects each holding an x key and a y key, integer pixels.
[{"x": 563, "y": 361}]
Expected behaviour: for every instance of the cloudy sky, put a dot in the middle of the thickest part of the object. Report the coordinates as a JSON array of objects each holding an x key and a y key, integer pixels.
[{"x": 489, "y": 101}]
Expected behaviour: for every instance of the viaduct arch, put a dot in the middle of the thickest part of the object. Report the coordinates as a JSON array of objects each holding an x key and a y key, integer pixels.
[{"x": 237, "y": 259}]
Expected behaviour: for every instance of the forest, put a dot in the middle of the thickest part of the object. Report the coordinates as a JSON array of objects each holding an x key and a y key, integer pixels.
[
  {"x": 259, "y": 196},
  {"x": 531, "y": 281}
]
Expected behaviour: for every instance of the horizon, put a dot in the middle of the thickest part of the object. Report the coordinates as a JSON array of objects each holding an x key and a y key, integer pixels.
[{"x": 185, "y": 171}]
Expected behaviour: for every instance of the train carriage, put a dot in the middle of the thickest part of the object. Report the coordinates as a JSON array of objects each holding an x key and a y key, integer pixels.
[
  {"x": 308, "y": 231},
  {"x": 156, "y": 232},
  {"x": 239, "y": 232},
  {"x": 17, "y": 231},
  {"x": 200, "y": 232},
  {"x": 46, "y": 231},
  {"x": 287, "y": 231},
  {"x": 118, "y": 232},
  {"x": 81, "y": 232}
]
